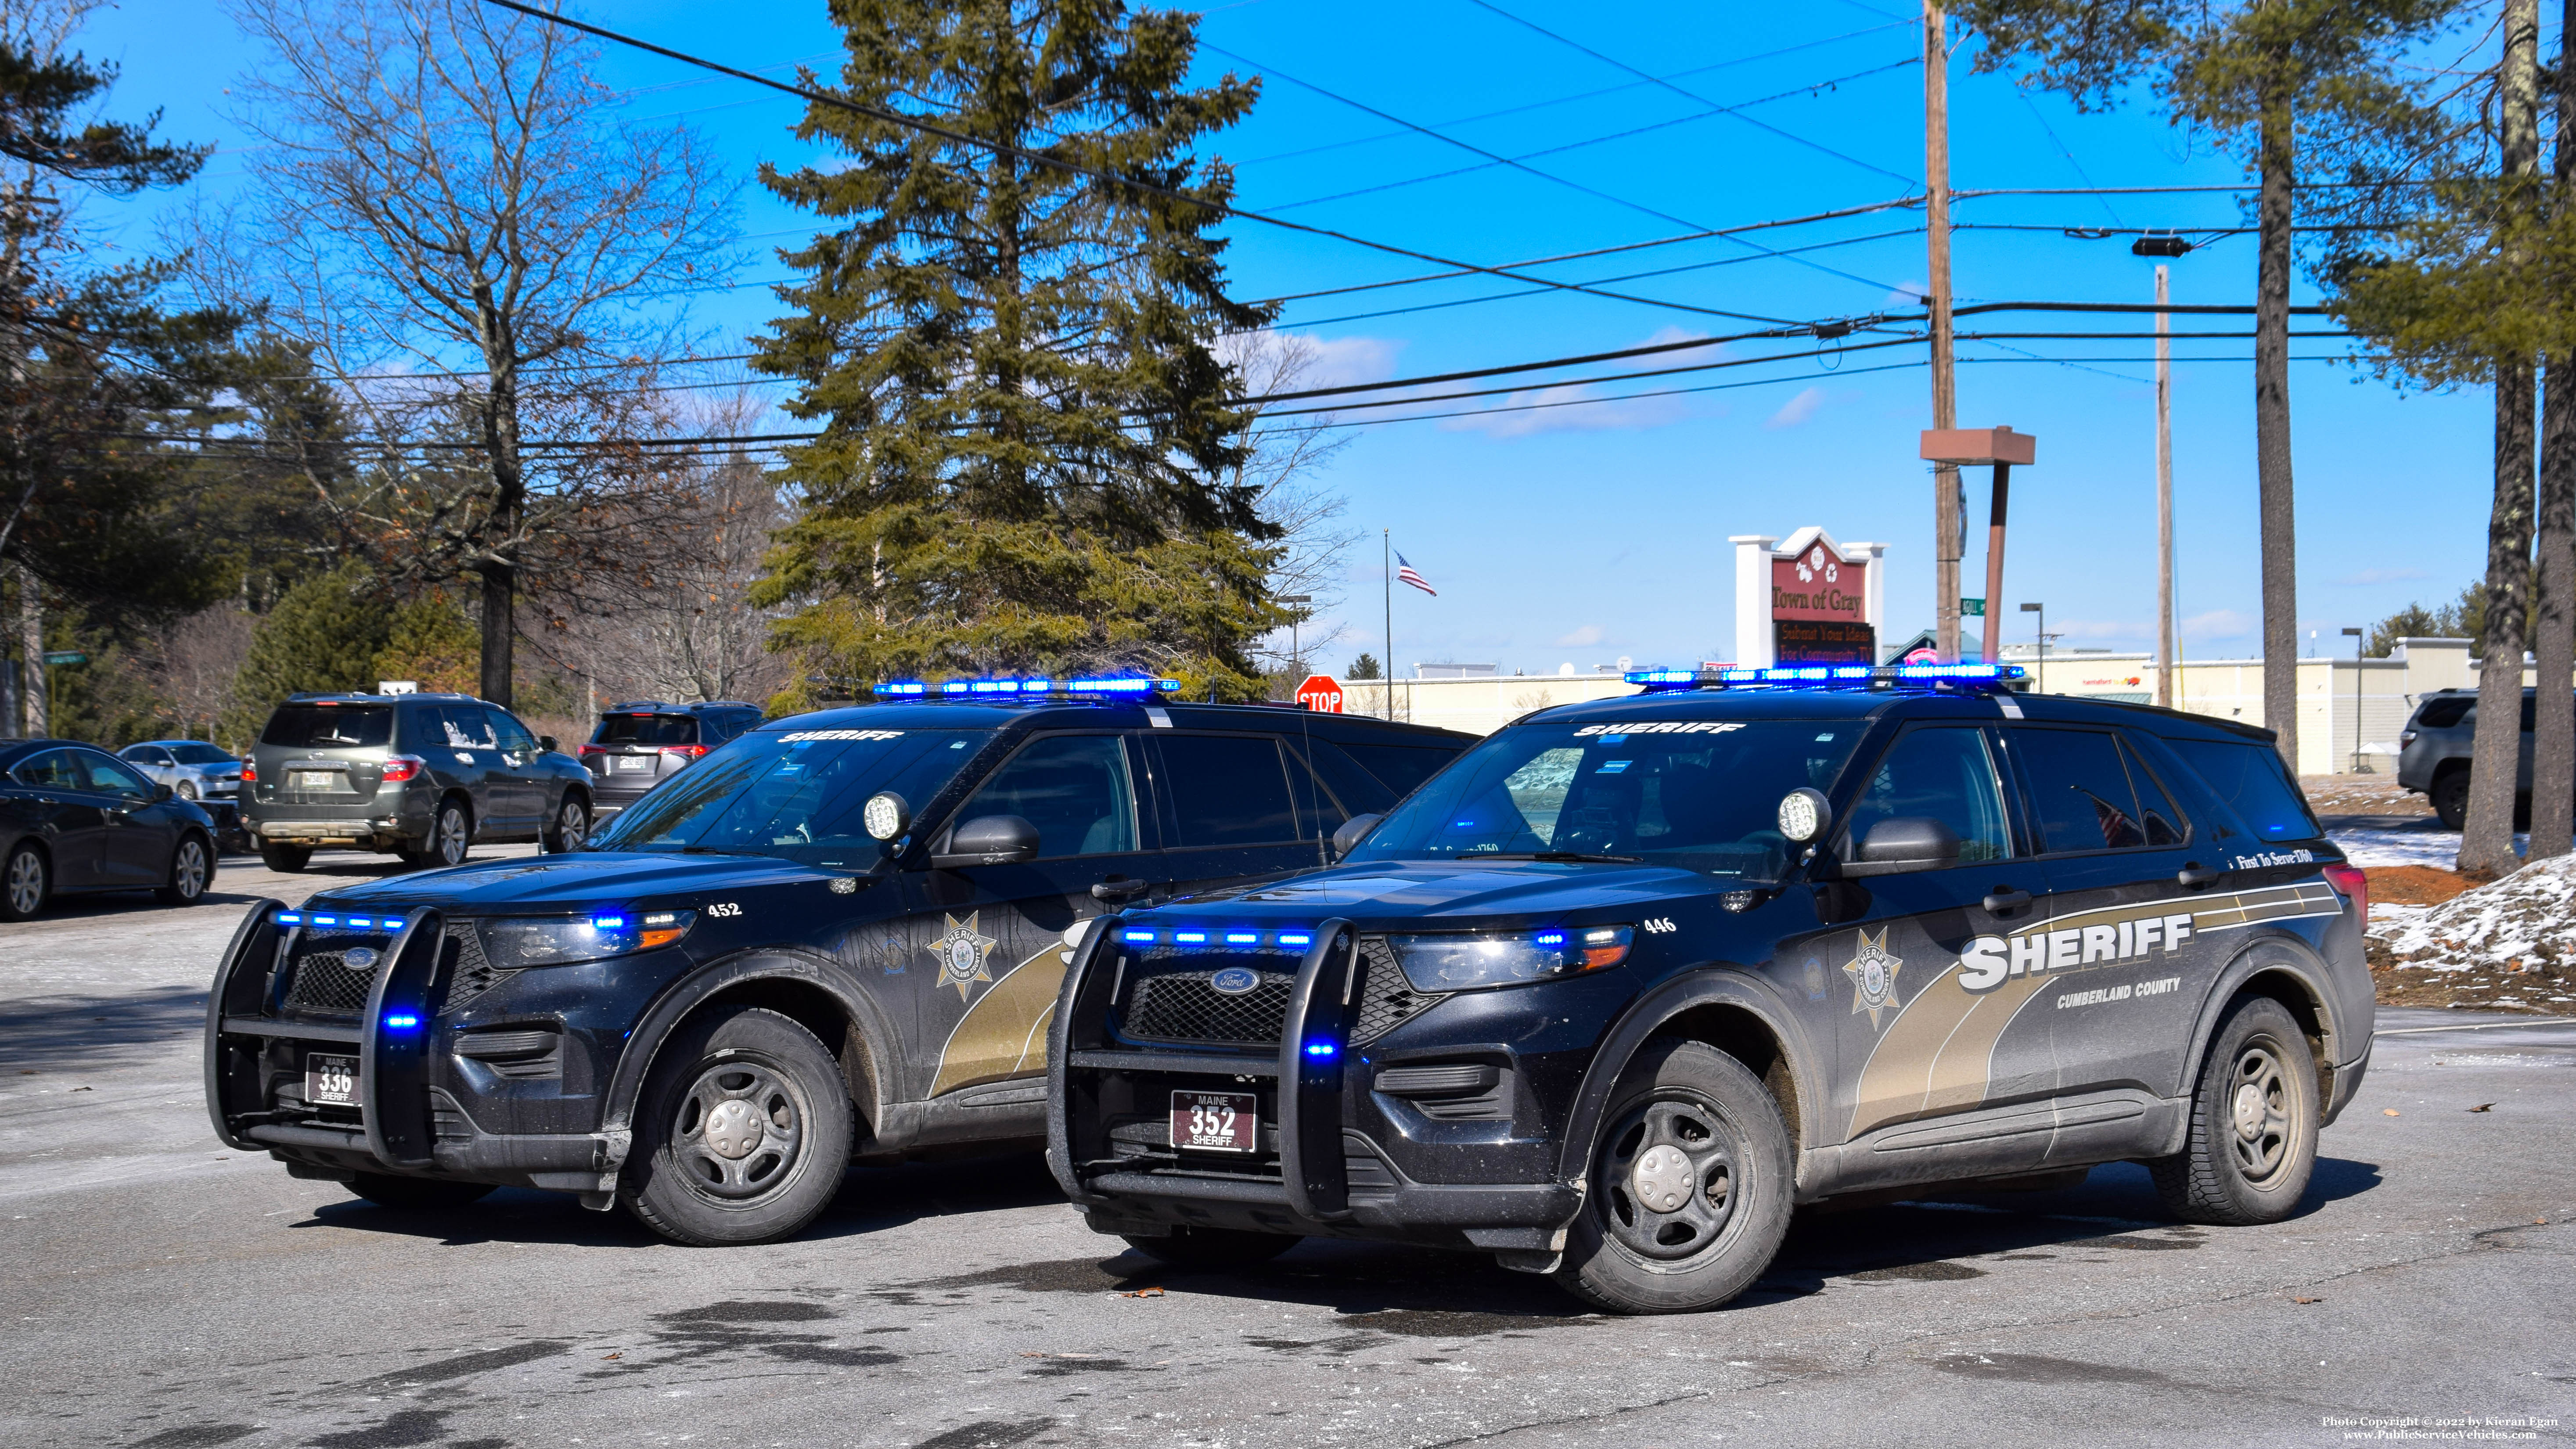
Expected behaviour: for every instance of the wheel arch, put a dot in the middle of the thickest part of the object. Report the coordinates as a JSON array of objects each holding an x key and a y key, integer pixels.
[
  {"x": 1725, "y": 1007},
  {"x": 799, "y": 987},
  {"x": 2285, "y": 969}
]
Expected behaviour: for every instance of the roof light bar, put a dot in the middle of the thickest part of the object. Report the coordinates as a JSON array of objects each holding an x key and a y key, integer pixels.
[
  {"x": 1863, "y": 675},
  {"x": 1039, "y": 684}
]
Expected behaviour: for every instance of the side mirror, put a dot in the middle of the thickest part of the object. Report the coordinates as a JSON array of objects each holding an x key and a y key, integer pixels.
[
  {"x": 547, "y": 743},
  {"x": 1353, "y": 831},
  {"x": 886, "y": 816},
  {"x": 1906, "y": 842},
  {"x": 1804, "y": 814},
  {"x": 161, "y": 793},
  {"x": 989, "y": 840}
]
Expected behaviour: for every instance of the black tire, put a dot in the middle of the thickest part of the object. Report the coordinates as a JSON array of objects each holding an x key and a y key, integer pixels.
[
  {"x": 571, "y": 823},
  {"x": 1215, "y": 1247},
  {"x": 286, "y": 858},
  {"x": 451, "y": 837},
  {"x": 742, "y": 1133},
  {"x": 26, "y": 882},
  {"x": 192, "y": 870},
  {"x": 1690, "y": 1186},
  {"x": 2254, "y": 1116},
  {"x": 2451, "y": 799},
  {"x": 416, "y": 1194}
]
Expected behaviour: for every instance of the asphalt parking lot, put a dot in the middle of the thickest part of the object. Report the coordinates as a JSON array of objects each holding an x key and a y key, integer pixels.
[{"x": 164, "y": 1291}]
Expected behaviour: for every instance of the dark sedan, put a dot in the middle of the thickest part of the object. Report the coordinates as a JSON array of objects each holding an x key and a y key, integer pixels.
[{"x": 74, "y": 818}]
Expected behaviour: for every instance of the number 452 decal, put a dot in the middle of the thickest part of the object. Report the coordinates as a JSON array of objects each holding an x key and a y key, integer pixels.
[
  {"x": 724, "y": 908},
  {"x": 1660, "y": 925}
]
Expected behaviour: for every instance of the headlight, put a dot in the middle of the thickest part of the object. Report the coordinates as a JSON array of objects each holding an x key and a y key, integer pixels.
[
  {"x": 1465, "y": 963},
  {"x": 555, "y": 940}
]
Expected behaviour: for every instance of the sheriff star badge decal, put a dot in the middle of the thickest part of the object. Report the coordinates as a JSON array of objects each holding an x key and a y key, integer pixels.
[
  {"x": 1873, "y": 974},
  {"x": 961, "y": 952}
]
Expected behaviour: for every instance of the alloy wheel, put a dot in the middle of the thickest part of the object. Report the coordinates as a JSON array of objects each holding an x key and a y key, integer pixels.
[
  {"x": 26, "y": 883},
  {"x": 739, "y": 1131},
  {"x": 187, "y": 789},
  {"x": 188, "y": 871},
  {"x": 450, "y": 843}
]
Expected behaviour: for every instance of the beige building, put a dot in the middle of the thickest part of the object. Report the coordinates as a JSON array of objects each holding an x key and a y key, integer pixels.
[{"x": 2380, "y": 693}]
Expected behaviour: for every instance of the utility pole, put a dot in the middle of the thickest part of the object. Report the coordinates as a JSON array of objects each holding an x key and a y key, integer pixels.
[
  {"x": 1949, "y": 513},
  {"x": 2165, "y": 644},
  {"x": 1386, "y": 579}
]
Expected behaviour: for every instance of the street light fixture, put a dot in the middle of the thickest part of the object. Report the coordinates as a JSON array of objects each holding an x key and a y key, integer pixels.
[
  {"x": 2355, "y": 636},
  {"x": 2039, "y": 676},
  {"x": 1296, "y": 618}
]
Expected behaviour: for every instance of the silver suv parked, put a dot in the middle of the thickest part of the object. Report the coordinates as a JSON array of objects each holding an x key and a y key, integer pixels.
[
  {"x": 2433, "y": 754},
  {"x": 420, "y": 775}
]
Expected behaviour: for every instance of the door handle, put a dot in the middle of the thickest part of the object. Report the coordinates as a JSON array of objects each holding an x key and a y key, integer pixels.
[
  {"x": 2003, "y": 900},
  {"x": 1119, "y": 892},
  {"x": 2194, "y": 877}
]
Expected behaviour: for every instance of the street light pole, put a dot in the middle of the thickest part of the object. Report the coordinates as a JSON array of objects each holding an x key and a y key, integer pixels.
[
  {"x": 2039, "y": 674},
  {"x": 2355, "y": 636},
  {"x": 1296, "y": 619},
  {"x": 2164, "y": 498}
]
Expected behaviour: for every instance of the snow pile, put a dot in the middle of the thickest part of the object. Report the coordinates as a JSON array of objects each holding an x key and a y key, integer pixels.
[{"x": 2529, "y": 915}]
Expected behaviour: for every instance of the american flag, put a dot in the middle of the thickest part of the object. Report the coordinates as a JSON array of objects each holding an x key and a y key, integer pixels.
[{"x": 1404, "y": 574}]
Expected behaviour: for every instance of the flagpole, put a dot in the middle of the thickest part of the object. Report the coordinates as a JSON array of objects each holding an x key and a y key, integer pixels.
[{"x": 1386, "y": 580}]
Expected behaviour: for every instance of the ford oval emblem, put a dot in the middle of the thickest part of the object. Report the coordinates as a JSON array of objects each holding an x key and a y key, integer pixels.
[
  {"x": 359, "y": 958},
  {"x": 1234, "y": 980}
]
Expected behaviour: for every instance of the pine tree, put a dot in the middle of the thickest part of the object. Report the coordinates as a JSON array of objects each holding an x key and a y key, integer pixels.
[
  {"x": 324, "y": 635},
  {"x": 1029, "y": 441}
]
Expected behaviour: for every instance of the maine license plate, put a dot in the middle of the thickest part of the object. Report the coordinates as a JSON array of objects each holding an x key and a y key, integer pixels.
[
  {"x": 633, "y": 764},
  {"x": 310, "y": 779},
  {"x": 330, "y": 1081},
  {"x": 1216, "y": 1121}
]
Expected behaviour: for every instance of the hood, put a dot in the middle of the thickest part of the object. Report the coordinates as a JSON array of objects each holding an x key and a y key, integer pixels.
[
  {"x": 569, "y": 882},
  {"x": 1456, "y": 894}
]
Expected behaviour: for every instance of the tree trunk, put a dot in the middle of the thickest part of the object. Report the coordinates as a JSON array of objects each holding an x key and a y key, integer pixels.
[
  {"x": 2553, "y": 645},
  {"x": 31, "y": 643},
  {"x": 509, "y": 499},
  {"x": 2277, "y": 164},
  {"x": 2495, "y": 752}
]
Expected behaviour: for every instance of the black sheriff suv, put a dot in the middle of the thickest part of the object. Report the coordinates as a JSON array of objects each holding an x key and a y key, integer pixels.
[
  {"x": 838, "y": 934},
  {"x": 1630, "y": 979}
]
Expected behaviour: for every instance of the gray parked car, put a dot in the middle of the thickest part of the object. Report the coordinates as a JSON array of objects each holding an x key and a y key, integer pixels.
[
  {"x": 420, "y": 775},
  {"x": 2433, "y": 754},
  {"x": 193, "y": 769}
]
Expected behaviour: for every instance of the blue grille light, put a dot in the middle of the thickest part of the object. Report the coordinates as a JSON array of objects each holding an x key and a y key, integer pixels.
[
  {"x": 1139, "y": 937},
  {"x": 403, "y": 1022},
  {"x": 289, "y": 918},
  {"x": 1321, "y": 1049},
  {"x": 326, "y": 920},
  {"x": 1190, "y": 937},
  {"x": 1295, "y": 938},
  {"x": 607, "y": 923},
  {"x": 1243, "y": 938},
  {"x": 1551, "y": 938},
  {"x": 361, "y": 921}
]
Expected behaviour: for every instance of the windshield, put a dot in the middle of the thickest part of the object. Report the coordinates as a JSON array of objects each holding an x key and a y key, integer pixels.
[
  {"x": 796, "y": 793},
  {"x": 1700, "y": 794},
  {"x": 199, "y": 755}
]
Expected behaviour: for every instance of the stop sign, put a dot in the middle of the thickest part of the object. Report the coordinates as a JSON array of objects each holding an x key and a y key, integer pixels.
[{"x": 1321, "y": 692}]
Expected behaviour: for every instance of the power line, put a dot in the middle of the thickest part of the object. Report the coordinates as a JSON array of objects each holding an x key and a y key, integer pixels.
[
  {"x": 1038, "y": 158},
  {"x": 1688, "y": 95}
]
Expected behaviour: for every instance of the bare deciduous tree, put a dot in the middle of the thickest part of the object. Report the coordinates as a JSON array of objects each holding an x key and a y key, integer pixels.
[
  {"x": 199, "y": 658},
  {"x": 450, "y": 213},
  {"x": 1284, "y": 456}
]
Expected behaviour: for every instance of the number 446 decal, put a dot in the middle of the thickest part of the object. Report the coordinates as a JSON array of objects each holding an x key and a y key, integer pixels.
[{"x": 1660, "y": 925}]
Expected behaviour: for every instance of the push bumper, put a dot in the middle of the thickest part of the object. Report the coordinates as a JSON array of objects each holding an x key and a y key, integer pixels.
[{"x": 1316, "y": 1177}]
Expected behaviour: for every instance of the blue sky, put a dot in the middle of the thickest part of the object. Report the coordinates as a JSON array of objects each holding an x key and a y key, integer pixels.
[{"x": 1585, "y": 533}]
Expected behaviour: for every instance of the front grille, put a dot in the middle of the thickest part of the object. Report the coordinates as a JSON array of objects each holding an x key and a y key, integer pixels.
[
  {"x": 1181, "y": 1006},
  {"x": 469, "y": 972},
  {"x": 325, "y": 986}
]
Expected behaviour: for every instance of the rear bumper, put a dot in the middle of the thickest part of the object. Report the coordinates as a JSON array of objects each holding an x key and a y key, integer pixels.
[{"x": 388, "y": 821}]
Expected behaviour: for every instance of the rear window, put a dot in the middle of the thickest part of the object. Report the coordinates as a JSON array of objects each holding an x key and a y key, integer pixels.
[
  {"x": 646, "y": 729},
  {"x": 329, "y": 726},
  {"x": 2442, "y": 714},
  {"x": 1402, "y": 767},
  {"x": 2252, "y": 781}
]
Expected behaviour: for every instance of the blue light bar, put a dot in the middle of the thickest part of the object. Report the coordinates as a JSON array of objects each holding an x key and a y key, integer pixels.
[
  {"x": 1295, "y": 938},
  {"x": 1845, "y": 674},
  {"x": 1663, "y": 676},
  {"x": 1190, "y": 937},
  {"x": 1123, "y": 684},
  {"x": 1243, "y": 938},
  {"x": 404, "y": 1022},
  {"x": 326, "y": 920},
  {"x": 1142, "y": 938},
  {"x": 1321, "y": 1049},
  {"x": 907, "y": 688},
  {"x": 289, "y": 918},
  {"x": 361, "y": 921}
]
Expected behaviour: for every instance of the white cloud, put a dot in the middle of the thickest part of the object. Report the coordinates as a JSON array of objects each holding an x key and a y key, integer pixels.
[
  {"x": 2099, "y": 628},
  {"x": 1589, "y": 634},
  {"x": 1296, "y": 361},
  {"x": 2217, "y": 624},
  {"x": 1574, "y": 408},
  {"x": 1798, "y": 409}
]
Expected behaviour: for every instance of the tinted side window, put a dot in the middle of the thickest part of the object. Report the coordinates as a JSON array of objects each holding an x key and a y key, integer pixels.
[
  {"x": 2157, "y": 816},
  {"x": 1360, "y": 792},
  {"x": 1946, "y": 774},
  {"x": 1402, "y": 767},
  {"x": 329, "y": 727},
  {"x": 1073, "y": 788},
  {"x": 52, "y": 770},
  {"x": 512, "y": 734},
  {"x": 1227, "y": 790},
  {"x": 2080, "y": 793},
  {"x": 111, "y": 776},
  {"x": 2254, "y": 783},
  {"x": 147, "y": 755},
  {"x": 2441, "y": 714}
]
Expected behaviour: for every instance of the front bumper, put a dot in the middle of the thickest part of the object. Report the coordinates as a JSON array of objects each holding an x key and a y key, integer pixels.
[
  {"x": 1341, "y": 1151},
  {"x": 500, "y": 1081}
]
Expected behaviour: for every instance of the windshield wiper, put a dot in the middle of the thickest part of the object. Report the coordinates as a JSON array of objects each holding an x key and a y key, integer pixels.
[
  {"x": 716, "y": 850},
  {"x": 1583, "y": 857}
]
